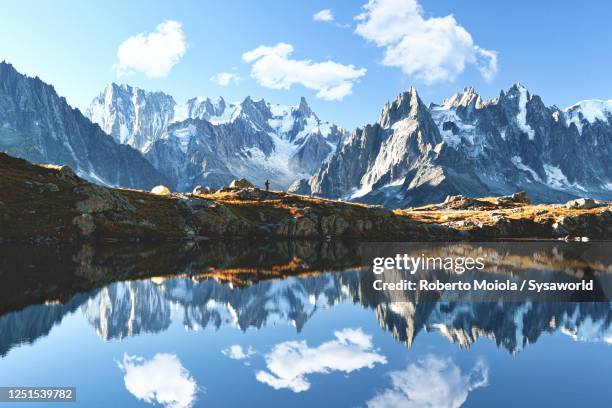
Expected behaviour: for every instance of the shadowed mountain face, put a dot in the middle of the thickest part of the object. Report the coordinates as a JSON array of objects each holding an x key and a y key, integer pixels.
[
  {"x": 38, "y": 125},
  {"x": 281, "y": 283},
  {"x": 417, "y": 154}
]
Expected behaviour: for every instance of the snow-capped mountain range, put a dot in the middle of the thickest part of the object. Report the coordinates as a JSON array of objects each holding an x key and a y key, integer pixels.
[
  {"x": 210, "y": 142},
  {"x": 414, "y": 154},
  {"x": 417, "y": 154}
]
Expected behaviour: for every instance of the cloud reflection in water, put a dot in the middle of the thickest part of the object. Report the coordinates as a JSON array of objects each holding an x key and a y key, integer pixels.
[
  {"x": 431, "y": 382},
  {"x": 162, "y": 380},
  {"x": 289, "y": 362}
]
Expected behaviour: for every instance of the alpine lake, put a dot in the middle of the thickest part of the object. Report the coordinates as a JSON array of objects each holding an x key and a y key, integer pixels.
[{"x": 299, "y": 324}]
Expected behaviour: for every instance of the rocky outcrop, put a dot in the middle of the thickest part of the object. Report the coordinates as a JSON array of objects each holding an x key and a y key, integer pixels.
[
  {"x": 202, "y": 190},
  {"x": 584, "y": 204},
  {"x": 50, "y": 203},
  {"x": 460, "y": 202},
  {"x": 241, "y": 183},
  {"x": 77, "y": 210},
  {"x": 514, "y": 217}
]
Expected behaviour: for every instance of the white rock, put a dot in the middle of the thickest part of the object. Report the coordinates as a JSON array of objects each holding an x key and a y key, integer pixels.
[
  {"x": 582, "y": 204},
  {"x": 160, "y": 190}
]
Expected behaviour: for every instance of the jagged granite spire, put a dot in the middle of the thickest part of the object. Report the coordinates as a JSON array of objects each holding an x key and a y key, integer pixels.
[{"x": 406, "y": 105}]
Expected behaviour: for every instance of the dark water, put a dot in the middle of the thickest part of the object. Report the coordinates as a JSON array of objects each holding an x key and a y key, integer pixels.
[{"x": 232, "y": 324}]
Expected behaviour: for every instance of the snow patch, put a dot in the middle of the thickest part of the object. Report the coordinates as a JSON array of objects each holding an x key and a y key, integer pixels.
[
  {"x": 518, "y": 163},
  {"x": 589, "y": 111},
  {"x": 181, "y": 113},
  {"x": 184, "y": 136},
  {"x": 360, "y": 192},
  {"x": 96, "y": 113},
  {"x": 555, "y": 177},
  {"x": 521, "y": 117},
  {"x": 467, "y": 131}
]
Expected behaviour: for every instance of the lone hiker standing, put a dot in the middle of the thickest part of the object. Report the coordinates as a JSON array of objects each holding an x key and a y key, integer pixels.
[{"x": 267, "y": 185}]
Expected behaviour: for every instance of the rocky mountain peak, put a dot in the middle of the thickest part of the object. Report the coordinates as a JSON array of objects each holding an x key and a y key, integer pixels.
[
  {"x": 201, "y": 108},
  {"x": 219, "y": 103},
  {"x": 515, "y": 92},
  {"x": 6, "y": 67},
  {"x": 517, "y": 86},
  {"x": 303, "y": 108},
  {"x": 257, "y": 111},
  {"x": 407, "y": 105},
  {"x": 466, "y": 98},
  {"x": 588, "y": 112},
  {"x": 13, "y": 82},
  {"x": 132, "y": 115}
]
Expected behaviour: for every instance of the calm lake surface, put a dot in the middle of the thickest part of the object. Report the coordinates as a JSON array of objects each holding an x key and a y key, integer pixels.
[{"x": 233, "y": 324}]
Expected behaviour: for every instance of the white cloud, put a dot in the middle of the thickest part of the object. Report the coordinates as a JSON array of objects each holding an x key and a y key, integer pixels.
[
  {"x": 289, "y": 362},
  {"x": 273, "y": 68},
  {"x": 161, "y": 380},
  {"x": 154, "y": 54},
  {"x": 324, "y": 15},
  {"x": 432, "y": 382},
  {"x": 236, "y": 352},
  {"x": 432, "y": 49},
  {"x": 225, "y": 78}
]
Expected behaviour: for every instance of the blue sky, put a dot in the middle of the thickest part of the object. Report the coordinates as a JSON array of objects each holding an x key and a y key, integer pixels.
[{"x": 345, "y": 68}]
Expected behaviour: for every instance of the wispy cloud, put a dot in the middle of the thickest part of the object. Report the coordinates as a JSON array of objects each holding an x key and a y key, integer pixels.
[
  {"x": 154, "y": 54},
  {"x": 162, "y": 380},
  {"x": 290, "y": 362},
  {"x": 432, "y": 49},
  {"x": 432, "y": 382},
  {"x": 226, "y": 78},
  {"x": 324, "y": 15},
  {"x": 273, "y": 68},
  {"x": 327, "y": 16}
]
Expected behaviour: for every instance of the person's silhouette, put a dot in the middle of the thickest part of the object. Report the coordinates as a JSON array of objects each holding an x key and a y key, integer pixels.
[{"x": 267, "y": 185}]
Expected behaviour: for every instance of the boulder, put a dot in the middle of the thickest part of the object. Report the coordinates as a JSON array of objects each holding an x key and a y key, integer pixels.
[
  {"x": 520, "y": 197},
  {"x": 459, "y": 202},
  {"x": 241, "y": 183},
  {"x": 582, "y": 204},
  {"x": 161, "y": 190},
  {"x": 202, "y": 190},
  {"x": 516, "y": 198}
]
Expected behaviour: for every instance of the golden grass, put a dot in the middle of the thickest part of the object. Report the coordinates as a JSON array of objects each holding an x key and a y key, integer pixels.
[{"x": 537, "y": 213}]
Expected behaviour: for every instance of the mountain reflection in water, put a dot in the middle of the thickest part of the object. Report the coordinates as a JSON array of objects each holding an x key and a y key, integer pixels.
[{"x": 125, "y": 291}]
